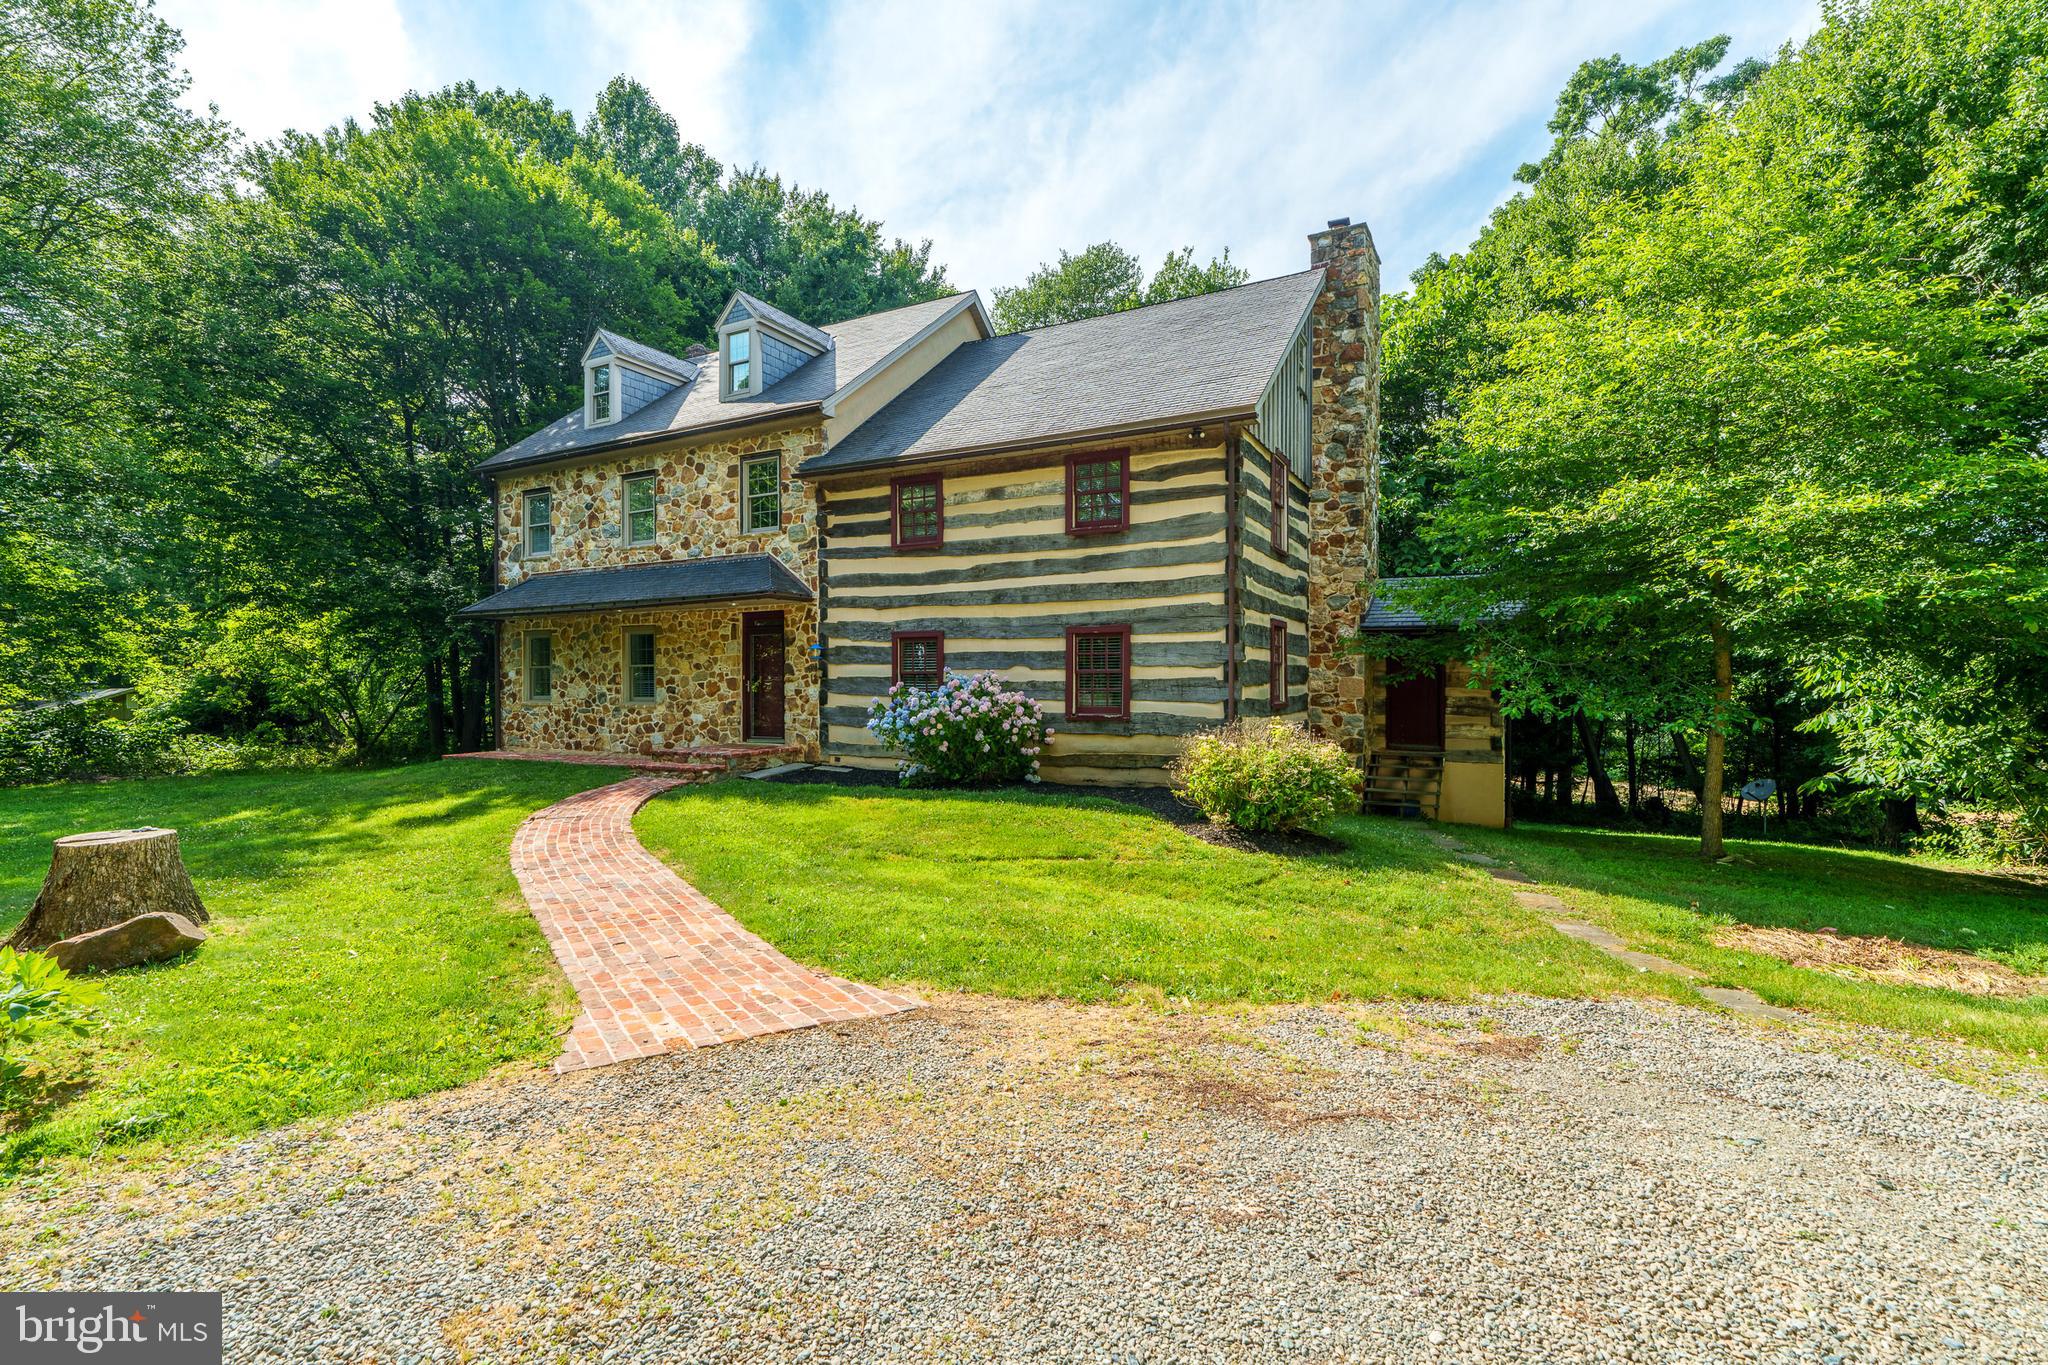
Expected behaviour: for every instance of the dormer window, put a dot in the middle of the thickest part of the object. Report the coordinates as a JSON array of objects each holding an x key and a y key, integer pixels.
[
  {"x": 601, "y": 402},
  {"x": 738, "y": 362}
]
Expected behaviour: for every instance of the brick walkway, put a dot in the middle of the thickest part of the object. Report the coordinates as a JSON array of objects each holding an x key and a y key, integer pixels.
[{"x": 656, "y": 966}]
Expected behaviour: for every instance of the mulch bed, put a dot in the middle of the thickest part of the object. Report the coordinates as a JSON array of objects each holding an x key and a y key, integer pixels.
[{"x": 1159, "y": 801}]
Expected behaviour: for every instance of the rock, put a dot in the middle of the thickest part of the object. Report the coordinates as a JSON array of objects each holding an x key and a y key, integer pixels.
[{"x": 145, "y": 938}]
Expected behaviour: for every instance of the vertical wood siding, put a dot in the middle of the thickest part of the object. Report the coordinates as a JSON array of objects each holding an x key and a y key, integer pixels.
[{"x": 1008, "y": 582}]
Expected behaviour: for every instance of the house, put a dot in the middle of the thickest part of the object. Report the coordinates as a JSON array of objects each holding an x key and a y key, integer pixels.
[{"x": 1153, "y": 521}]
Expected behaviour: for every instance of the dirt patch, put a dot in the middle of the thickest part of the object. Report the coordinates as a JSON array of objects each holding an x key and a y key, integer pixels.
[
  {"x": 1884, "y": 959},
  {"x": 1501, "y": 1045}
]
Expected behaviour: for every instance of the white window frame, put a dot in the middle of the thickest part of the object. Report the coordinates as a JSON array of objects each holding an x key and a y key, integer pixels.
[
  {"x": 626, "y": 482},
  {"x": 610, "y": 366},
  {"x": 653, "y": 666},
  {"x": 754, "y": 358},
  {"x": 528, "y": 668},
  {"x": 747, "y": 526},
  {"x": 527, "y": 497}
]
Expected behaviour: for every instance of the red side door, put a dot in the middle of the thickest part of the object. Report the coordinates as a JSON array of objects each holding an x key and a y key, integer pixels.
[
  {"x": 1415, "y": 712},
  {"x": 763, "y": 648}
]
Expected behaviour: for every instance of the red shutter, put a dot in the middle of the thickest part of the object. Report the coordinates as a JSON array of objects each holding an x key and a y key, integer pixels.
[
  {"x": 1276, "y": 666},
  {"x": 1278, "y": 494}
]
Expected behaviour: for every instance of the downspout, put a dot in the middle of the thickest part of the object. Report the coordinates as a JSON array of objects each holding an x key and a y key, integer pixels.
[
  {"x": 497, "y": 727},
  {"x": 1231, "y": 567},
  {"x": 824, "y": 650}
]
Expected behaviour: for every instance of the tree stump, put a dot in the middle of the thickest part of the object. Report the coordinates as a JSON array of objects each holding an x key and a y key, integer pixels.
[{"x": 98, "y": 880}]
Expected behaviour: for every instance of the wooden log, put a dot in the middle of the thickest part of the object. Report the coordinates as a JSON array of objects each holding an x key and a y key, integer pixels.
[{"x": 98, "y": 880}]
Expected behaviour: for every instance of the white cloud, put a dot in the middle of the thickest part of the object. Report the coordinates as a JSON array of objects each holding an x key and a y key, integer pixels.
[
  {"x": 1007, "y": 132},
  {"x": 304, "y": 64},
  {"x": 687, "y": 55}
]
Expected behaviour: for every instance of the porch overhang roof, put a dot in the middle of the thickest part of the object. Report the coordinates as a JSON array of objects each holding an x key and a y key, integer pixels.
[{"x": 669, "y": 583}]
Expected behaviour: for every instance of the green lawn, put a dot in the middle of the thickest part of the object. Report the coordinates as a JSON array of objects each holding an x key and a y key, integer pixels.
[
  {"x": 1032, "y": 895},
  {"x": 1655, "y": 892},
  {"x": 1036, "y": 895},
  {"x": 369, "y": 942}
]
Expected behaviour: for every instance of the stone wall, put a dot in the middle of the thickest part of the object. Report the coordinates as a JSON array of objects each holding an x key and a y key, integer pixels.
[
  {"x": 1344, "y": 476},
  {"x": 697, "y": 682},
  {"x": 696, "y": 507}
]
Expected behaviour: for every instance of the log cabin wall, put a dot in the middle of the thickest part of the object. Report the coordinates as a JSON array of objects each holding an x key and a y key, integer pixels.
[
  {"x": 1009, "y": 579},
  {"x": 1271, "y": 584}
]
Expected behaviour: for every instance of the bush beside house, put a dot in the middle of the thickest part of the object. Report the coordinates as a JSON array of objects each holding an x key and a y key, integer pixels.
[
  {"x": 1265, "y": 778},
  {"x": 967, "y": 731}
]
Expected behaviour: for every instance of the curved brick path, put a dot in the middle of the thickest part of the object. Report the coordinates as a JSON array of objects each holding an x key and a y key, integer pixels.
[{"x": 656, "y": 966}]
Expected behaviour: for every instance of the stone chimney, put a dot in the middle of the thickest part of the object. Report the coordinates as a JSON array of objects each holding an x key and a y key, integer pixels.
[{"x": 1343, "y": 500}]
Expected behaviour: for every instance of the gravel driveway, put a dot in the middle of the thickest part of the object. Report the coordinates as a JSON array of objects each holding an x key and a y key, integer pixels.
[{"x": 990, "y": 1180}]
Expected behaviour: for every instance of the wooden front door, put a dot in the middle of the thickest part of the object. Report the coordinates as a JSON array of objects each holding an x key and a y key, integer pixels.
[
  {"x": 762, "y": 648},
  {"x": 1415, "y": 711}
]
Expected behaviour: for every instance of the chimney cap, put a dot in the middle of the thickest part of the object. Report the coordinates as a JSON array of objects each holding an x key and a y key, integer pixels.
[{"x": 1340, "y": 222}]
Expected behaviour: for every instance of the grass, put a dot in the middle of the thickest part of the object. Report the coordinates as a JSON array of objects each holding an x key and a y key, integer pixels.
[
  {"x": 368, "y": 943},
  {"x": 1034, "y": 895},
  {"x": 1655, "y": 892}
]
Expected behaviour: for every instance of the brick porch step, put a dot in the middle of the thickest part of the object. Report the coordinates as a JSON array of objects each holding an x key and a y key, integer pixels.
[{"x": 637, "y": 762}]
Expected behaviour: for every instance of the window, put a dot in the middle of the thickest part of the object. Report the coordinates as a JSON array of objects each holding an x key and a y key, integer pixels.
[
  {"x": 600, "y": 394},
  {"x": 761, "y": 492},
  {"x": 920, "y": 514},
  {"x": 738, "y": 366},
  {"x": 1098, "y": 492},
  {"x": 640, "y": 509},
  {"x": 540, "y": 667},
  {"x": 640, "y": 665},
  {"x": 1278, "y": 495},
  {"x": 539, "y": 520},
  {"x": 918, "y": 657},
  {"x": 1276, "y": 665},
  {"x": 1099, "y": 671}
]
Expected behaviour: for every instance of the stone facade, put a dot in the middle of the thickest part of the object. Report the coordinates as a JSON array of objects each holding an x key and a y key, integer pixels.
[
  {"x": 1344, "y": 476},
  {"x": 699, "y": 676},
  {"x": 696, "y": 507},
  {"x": 697, "y": 682}
]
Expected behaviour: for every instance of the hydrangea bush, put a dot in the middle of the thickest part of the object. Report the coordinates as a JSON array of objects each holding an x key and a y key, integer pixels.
[
  {"x": 968, "y": 730},
  {"x": 1265, "y": 777}
]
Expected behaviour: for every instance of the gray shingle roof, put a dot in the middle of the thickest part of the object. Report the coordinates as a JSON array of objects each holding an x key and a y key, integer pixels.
[
  {"x": 768, "y": 312},
  {"x": 625, "y": 348},
  {"x": 856, "y": 344},
  {"x": 1209, "y": 354},
  {"x": 1385, "y": 615},
  {"x": 676, "y": 582}
]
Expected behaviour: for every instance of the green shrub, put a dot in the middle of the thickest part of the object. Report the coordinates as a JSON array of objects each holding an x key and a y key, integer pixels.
[
  {"x": 37, "y": 999},
  {"x": 1265, "y": 777}
]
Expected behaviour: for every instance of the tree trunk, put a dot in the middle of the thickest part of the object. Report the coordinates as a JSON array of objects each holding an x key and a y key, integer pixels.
[
  {"x": 1594, "y": 743},
  {"x": 1717, "y": 745},
  {"x": 1634, "y": 772},
  {"x": 1901, "y": 817},
  {"x": 437, "y": 724},
  {"x": 98, "y": 880},
  {"x": 1688, "y": 767}
]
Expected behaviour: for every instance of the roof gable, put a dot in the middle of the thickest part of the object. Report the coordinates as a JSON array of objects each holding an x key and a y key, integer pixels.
[{"x": 744, "y": 307}]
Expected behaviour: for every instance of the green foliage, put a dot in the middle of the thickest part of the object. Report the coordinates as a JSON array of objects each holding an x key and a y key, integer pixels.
[
  {"x": 38, "y": 1000},
  {"x": 1265, "y": 777},
  {"x": 1746, "y": 375},
  {"x": 1107, "y": 279}
]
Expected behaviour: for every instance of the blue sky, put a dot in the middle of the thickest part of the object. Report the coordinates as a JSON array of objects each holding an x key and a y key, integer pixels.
[{"x": 1007, "y": 131}]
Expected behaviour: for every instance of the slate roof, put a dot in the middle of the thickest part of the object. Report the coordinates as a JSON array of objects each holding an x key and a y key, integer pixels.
[
  {"x": 768, "y": 312},
  {"x": 625, "y": 348},
  {"x": 1187, "y": 358},
  {"x": 1384, "y": 615},
  {"x": 857, "y": 343},
  {"x": 675, "y": 582}
]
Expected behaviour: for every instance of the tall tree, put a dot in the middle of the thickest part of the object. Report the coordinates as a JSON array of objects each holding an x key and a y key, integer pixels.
[
  {"x": 379, "y": 309},
  {"x": 1105, "y": 278},
  {"x": 100, "y": 170}
]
